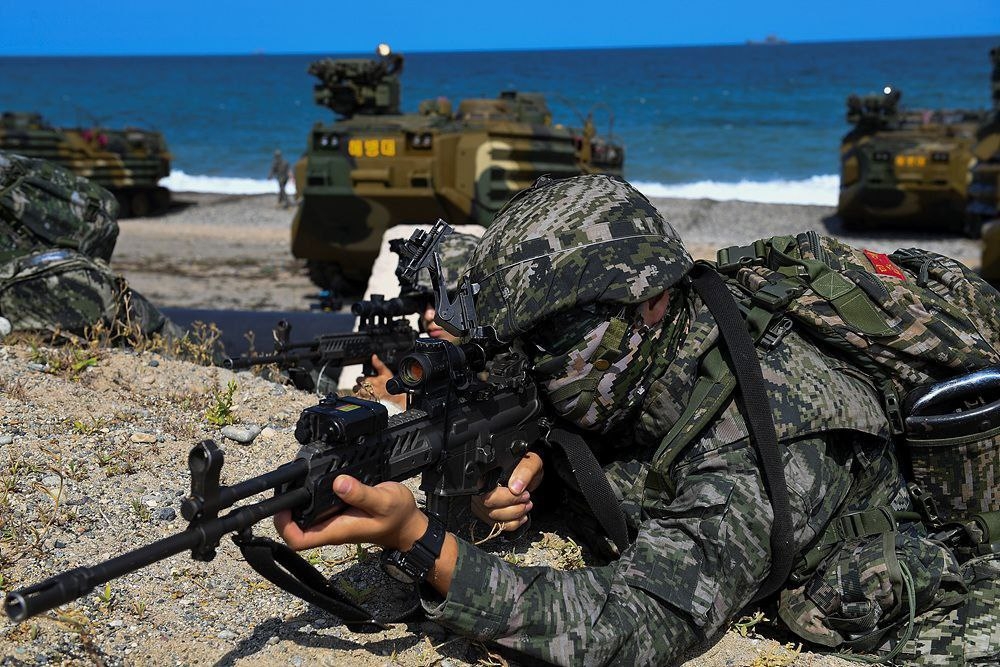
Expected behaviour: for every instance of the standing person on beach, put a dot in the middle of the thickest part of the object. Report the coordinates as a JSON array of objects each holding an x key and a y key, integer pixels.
[
  {"x": 281, "y": 171},
  {"x": 587, "y": 279}
]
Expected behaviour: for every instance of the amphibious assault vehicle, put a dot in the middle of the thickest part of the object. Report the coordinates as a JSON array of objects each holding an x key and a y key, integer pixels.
[
  {"x": 905, "y": 166},
  {"x": 129, "y": 162},
  {"x": 375, "y": 167},
  {"x": 984, "y": 187}
]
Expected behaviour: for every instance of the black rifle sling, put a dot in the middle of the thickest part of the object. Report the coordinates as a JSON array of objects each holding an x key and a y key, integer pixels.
[
  {"x": 593, "y": 485},
  {"x": 287, "y": 570},
  {"x": 757, "y": 412}
]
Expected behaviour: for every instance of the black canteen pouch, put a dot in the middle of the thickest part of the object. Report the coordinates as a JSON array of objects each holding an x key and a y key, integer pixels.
[{"x": 952, "y": 446}]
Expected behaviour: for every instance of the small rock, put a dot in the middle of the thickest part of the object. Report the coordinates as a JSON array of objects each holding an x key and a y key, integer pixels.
[
  {"x": 59, "y": 544},
  {"x": 154, "y": 363},
  {"x": 52, "y": 481},
  {"x": 33, "y": 366},
  {"x": 296, "y": 661},
  {"x": 116, "y": 623},
  {"x": 6, "y": 439},
  {"x": 272, "y": 640},
  {"x": 5, "y": 327},
  {"x": 278, "y": 390},
  {"x": 242, "y": 435},
  {"x": 267, "y": 433},
  {"x": 167, "y": 514},
  {"x": 227, "y": 635},
  {"x": 140, "y": 436}
]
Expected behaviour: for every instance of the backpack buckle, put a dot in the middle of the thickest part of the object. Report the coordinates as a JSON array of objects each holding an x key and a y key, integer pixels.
[
  {"x": 737, "y": 257},
  {"x": 925, "y": 504},
  {"x": 775, "y": 332},
  {"x": 775, "y": 295}
]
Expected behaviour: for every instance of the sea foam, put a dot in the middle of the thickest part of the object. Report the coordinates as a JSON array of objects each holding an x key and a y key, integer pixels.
[
  {"x": 817, "y": 190},
  {"x": 178, "y": 181}
]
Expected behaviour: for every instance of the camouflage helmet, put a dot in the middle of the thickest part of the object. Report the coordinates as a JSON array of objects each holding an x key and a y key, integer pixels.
[
  {"x": 455, "y": 251},
  {"x": 563, "y": 244}
]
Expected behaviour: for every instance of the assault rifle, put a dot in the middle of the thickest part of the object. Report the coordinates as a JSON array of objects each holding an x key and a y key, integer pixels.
[
  {"x": 463, "y": 434},
  {"x": 382, "y": 330}
]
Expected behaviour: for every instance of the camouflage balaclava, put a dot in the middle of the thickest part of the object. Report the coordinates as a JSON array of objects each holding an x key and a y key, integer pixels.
[{"x": 563, "y": 268}]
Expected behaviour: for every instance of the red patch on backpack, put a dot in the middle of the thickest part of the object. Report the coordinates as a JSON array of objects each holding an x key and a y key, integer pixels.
[{"x": 883, "y": 265}]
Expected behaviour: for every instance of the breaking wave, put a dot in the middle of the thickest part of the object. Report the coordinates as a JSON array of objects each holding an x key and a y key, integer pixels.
[
  {"x": 817, "y": 190},
  {"x": 178, "y": 181}
]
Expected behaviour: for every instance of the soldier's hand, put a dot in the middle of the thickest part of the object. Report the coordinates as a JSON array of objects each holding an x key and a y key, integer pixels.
[
  {"x": 385, "y": 514},
  {"x": 373, "y": 388},
  {"x": 509, "y": 505}
]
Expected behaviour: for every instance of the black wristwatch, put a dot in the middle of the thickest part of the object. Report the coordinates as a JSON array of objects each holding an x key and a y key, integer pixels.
[{"x": 412, "y": 566}]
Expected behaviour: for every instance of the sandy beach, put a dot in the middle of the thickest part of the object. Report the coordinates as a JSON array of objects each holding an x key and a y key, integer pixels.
[{"x": 232, "y": 252}]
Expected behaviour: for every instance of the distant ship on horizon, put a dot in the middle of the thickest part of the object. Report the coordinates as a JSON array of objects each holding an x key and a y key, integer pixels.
[{"x": 770, "y": 40}]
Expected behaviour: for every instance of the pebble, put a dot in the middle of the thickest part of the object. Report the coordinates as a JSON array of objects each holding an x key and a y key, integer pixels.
[
  {"x": 140, "y": 436},
  {"x": 5, "y": 327},
  {"x": 52, "y": 481},
  {"x": 227, "y": 635},
  {"x": 33, "y": 366},
  {"x": 167, "y": 514},
  {"x": 6, "y": 439},
  {"x": 267, "y": 433},
  {"x": 242, "y": 435},
  {"x": 272, "y": 640},
  {"x": 154, "y": 363}
]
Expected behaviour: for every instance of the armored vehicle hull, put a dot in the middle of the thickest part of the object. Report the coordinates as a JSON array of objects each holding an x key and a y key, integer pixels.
[
  {"x": 129, "y": 162},
  {"x": 984, "y": 185},
  {"x": 910, "y": 171},
  {"x": 376, "y": 167}
]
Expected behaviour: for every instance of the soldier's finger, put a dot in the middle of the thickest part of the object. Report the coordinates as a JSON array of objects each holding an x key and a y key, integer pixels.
[
  {"x": 511, "y": 526},
  {"x": 377, "y": 364},
  {"x": 366, "y": 498},
  {"x": 510, "y": 514},
  {"x": 502, "y": 497},
  {"x": 527, "y": 474}
]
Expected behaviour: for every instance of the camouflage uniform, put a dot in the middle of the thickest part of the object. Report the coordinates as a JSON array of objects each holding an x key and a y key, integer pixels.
[
  {"x": 57, "y": 233},
  {"x": 279, "y": 171},
  {"x": 592, "y": 248}
]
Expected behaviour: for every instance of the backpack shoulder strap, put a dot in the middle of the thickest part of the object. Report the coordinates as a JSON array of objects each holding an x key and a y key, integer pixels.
[{"x": 757, "y": 412}]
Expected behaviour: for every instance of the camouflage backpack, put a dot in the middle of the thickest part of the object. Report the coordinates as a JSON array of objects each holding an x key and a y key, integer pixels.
[
  {"x": 43, "y": 205},
  {"x": 925, "y": 330},
  {"x": 909, "y": 320}
]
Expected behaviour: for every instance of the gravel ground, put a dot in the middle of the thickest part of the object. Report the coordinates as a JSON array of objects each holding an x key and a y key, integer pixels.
[{"x": 93, "y": 447}]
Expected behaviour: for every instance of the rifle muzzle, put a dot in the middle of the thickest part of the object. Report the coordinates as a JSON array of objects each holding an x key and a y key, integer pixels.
[{"x": 49, "y": 594}]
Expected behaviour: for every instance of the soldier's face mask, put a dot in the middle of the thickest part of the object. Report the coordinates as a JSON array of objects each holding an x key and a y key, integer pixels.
[{"x": 591, "y": 364}]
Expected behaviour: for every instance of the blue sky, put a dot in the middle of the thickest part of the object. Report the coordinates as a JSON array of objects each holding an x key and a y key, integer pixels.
[{"x": 118, "y": 27}]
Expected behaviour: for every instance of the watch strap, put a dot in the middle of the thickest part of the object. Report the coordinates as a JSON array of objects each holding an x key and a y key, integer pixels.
[{"x": 420, "y": 558}]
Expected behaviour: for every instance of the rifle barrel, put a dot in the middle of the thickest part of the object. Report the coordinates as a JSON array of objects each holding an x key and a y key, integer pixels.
[{"x": 68, "y": 586}]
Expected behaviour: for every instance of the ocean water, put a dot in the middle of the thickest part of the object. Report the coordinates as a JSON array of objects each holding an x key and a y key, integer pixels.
[{"x": 750, "y": 122}]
